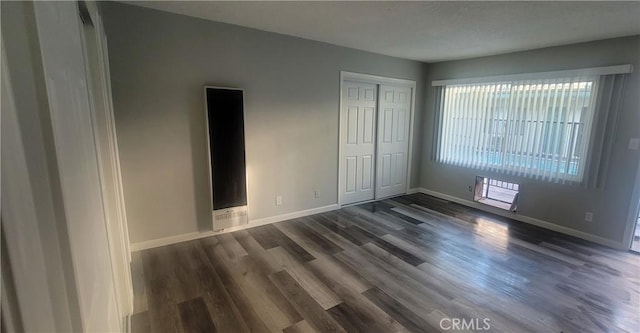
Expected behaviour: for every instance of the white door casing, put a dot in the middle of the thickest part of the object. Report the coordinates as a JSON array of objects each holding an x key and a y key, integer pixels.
[
  {"x": 394, "y": 110},
  {"x": 96, "y": 57},
  {"x": 20, "y": 230},
  {"x": 59, "y": 32},
  {"x": 358, "y": 139}
]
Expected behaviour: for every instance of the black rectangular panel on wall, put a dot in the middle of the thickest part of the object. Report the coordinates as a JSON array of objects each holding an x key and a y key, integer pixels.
[{"x": 225, "y": 111}]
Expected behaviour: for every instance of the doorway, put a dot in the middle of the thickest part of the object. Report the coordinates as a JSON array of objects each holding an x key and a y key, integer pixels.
[
  {"x": 631, "y": 240},
  {"x": 376, "y": 118},
  {"x": 635, "y": 241}
]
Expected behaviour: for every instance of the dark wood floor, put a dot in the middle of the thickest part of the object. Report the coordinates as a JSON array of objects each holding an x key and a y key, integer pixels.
[{"x": 407, "y": 264}]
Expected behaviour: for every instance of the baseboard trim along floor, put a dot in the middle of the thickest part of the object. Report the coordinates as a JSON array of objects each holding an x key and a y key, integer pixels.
[
  {"x": 139, "y": 246},
  {"x": 272, "y": 219},
  {"x": 525, "y": 219}
]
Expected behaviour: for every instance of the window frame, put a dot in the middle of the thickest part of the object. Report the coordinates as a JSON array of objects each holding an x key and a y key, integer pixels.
[{"x": 543, "y": 168}]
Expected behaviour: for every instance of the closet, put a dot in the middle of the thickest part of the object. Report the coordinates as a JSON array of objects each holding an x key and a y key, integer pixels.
[{"x": 375, "y": 137}]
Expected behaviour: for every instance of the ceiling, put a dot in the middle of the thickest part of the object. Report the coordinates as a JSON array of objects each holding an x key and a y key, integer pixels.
[{"x": 426, "y": 31}]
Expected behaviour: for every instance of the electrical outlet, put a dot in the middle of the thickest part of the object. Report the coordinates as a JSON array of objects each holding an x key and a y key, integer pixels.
[
  {"x": 588, "y": 217},
  {"x": 278, "y": 200},
  {"x": 470, "y": 189},
  {"x": 316, "y": 194}
]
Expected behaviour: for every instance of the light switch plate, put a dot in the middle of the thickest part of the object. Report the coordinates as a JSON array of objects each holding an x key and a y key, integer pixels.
[{"x": 634, "y": 143}]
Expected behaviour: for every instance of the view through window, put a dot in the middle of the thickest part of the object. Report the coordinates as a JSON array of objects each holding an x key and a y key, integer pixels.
[{"x": 534, "y": 128}]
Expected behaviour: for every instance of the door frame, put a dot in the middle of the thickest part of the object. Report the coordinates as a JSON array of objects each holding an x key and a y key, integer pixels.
[
  {"x": 632, "y": 217},
  {"x": 377, "y": 80},
  {"x": 27, "y": 285},
  {"x": 75, "y": 140},
  {"x": 103, "y": 120}
]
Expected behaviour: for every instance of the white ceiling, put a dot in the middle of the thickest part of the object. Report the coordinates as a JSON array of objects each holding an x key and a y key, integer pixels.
[{"x": 426, "y": 31}]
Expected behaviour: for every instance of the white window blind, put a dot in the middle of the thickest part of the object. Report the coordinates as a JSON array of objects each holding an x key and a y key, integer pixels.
[{"x": 538, "y": 128}]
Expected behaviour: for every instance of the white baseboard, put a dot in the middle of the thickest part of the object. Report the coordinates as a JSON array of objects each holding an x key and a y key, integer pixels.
[
  {"x": 252, "y": 223},
  {"x": 525, "y": 219},
  {"x": 293, "y": 215},
  {"x": 415, "y": 190},
  {"x": 272, "y": 219}
]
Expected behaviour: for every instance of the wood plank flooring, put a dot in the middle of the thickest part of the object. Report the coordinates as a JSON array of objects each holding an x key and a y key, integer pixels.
[{"x": 409, "y": 264}]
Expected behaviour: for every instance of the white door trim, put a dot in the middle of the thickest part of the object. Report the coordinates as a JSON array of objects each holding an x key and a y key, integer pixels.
[
  {"x": 375, "y": 79},
  {"x": 634, "y": 210},
  {"x": 20, "y": 226},
  {"x": 101, "y": 108},
  {"x": 72, "y": 127}
]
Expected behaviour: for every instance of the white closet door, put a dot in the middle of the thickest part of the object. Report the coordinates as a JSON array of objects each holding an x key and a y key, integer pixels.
[
  {"x": 393, "y": 140},
  {"x": 358, "y": 138}
]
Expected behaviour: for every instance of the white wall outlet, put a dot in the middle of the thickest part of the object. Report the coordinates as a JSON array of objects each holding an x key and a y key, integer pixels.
[
  {"x": 278, "y": 200},
  {"x": 588, "y": 217},
  {"x": 316, "y": 194},
  {"x": 634, "y": 143}
]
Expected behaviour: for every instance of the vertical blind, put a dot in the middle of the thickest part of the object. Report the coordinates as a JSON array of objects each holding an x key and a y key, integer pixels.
[{"x": 533, "y": 128}]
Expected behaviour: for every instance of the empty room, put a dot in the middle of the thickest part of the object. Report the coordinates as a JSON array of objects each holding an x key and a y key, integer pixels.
[{"x": 320, "y": 166}]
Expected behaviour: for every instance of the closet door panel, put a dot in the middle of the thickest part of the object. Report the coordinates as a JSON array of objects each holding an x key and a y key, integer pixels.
[
  {"x": 358, "y": 140},
  {"x": 393, "y": 143}
]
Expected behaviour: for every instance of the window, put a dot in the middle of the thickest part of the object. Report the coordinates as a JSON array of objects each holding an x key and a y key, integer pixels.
[
  {"x": 538, "y": 128},
  {"x": 497, "y": 193}
]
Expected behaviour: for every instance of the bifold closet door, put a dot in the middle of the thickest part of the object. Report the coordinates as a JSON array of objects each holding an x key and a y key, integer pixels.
[
  {"x": 393, "y": 140},
  {"x": 358, "y": 138}
]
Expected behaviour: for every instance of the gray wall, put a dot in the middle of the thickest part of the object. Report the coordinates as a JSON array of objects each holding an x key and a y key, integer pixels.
[
  {"x": 563, "y": 205},
  {"x": 159, "y": 64}
]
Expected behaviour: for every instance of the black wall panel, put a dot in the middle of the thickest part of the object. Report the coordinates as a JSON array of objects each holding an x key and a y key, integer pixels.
[{"x": 225, "y": 112}]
